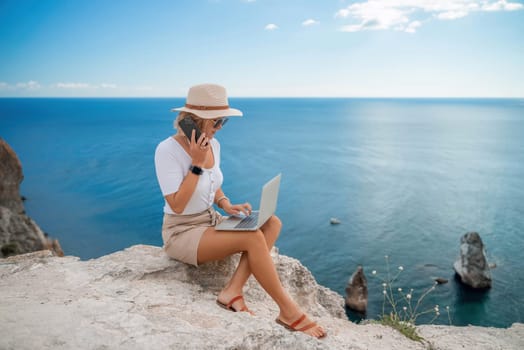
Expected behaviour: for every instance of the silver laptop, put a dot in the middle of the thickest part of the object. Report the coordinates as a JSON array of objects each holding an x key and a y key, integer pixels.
[{"x": 268, "y": 205}]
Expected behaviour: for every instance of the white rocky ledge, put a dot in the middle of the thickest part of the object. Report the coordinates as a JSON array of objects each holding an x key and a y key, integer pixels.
[{"x": 140, "y": 299}]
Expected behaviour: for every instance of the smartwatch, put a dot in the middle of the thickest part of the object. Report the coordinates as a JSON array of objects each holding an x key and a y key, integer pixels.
[{"x": 196, "y": 170}]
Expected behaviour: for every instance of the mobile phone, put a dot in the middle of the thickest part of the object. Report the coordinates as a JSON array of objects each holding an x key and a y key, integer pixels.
[{"x": 188, "y": 125}]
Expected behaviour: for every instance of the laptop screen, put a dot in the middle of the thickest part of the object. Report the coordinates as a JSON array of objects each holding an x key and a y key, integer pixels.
[{"x": 268, "y": 200}]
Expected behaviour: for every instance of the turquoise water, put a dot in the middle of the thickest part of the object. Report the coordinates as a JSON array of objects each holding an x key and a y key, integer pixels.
[{"x": 406, "y": 177}]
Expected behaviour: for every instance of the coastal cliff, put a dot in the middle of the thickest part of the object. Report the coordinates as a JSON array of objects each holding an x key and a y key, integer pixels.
[
  {"x": 140, "y": 299},
  {"x": 18, "y": 232}
]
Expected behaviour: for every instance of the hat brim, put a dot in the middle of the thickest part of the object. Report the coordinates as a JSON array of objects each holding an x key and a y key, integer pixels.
[{"x": 210, "y": 114}]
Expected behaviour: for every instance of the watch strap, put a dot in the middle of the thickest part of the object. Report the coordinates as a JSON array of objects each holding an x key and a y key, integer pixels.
[{"x": 196, "y": 170}]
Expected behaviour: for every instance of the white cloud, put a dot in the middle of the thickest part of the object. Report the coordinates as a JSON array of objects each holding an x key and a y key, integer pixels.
[
  {"x": 501, "y": 5},
  {"x": 407, "y": 15},
  {"x": 72, "y": 85},
  {"x": 309, "y": 22},
  {"x": 373, "y": 15},
  {"x": 342, "y": 13},
  {"x": 81, "y": 89},
  {"x": 412, "y": 27},
  {"x": 30, "y": 85},
  {"x": 449, "y": 15},
  {"x": 271, "y": 26}
]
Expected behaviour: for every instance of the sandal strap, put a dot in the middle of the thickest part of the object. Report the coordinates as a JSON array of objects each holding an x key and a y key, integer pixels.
[
  {"x": 297, "y": 322},
  {"x": 232, "y": 301},
  {"x": 306, "y": 327}
]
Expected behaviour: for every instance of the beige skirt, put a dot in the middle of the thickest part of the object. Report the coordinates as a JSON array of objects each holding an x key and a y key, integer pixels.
[{"x": 181, "y": 233}]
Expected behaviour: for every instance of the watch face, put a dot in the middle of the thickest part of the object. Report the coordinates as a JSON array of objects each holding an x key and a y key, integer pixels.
[{"x": 196, "y": 170}]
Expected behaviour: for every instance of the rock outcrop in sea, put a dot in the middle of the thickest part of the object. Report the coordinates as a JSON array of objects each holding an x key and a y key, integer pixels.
[
  {"x": 18, "y": 232},
  {"x": 357, "y": 291},
  {"x": 472, "y": 265},
  {"x": 140, "y": 299}
]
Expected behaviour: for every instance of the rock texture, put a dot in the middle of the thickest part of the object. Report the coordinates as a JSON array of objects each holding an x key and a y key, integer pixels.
[
  {"x": 140, "y": 299},
  {"x": 472, "y": 265},
  {"x": 10, "y": 178},
  {"x": 357, "y": 291},
  {"x": 18, "y": 233},
  {"x": 472, "y": 337}
]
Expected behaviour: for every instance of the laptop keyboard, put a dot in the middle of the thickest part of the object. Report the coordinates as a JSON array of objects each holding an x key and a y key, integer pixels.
[{"x": 248, "y": 221}]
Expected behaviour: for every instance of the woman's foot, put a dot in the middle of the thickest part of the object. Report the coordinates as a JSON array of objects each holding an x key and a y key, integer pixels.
[
  {"x": 301, "y": 323},
  {"x": 232, "y": 301}
]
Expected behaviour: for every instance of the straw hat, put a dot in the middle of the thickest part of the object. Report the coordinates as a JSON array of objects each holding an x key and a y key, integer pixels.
[{"x": 208, "y": 101}]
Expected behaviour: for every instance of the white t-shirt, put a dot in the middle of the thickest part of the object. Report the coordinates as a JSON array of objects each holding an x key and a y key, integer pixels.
[{"x": 172, "y": 164}]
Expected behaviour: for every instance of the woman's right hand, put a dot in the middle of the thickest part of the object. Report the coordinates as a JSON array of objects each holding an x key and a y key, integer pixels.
[{"x": 198, "y": 149}]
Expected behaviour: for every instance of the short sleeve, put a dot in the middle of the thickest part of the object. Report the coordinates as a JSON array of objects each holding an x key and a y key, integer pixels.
[{"x": 170, "y": 170}]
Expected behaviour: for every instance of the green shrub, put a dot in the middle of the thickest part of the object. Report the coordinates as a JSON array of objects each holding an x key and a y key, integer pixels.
[{"x": 399, "y": 310}]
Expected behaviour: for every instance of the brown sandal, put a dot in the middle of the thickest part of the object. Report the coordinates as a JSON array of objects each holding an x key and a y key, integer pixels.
[
  {"x": 229, "y": 306},
  {"x": 292, "y": 327}
]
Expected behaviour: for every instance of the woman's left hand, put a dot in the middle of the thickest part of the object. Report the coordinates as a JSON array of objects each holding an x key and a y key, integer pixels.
[{"x": 236, "y": 209}]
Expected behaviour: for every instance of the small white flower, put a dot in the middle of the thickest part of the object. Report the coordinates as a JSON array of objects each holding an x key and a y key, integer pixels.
[
  {"x": 404, "y": 308},
  {"x": 400, "y": 289},
  {"x": 374, "y": 272},
  {"x": 401, "y": 268},
  {"x": 436, "y": 308},
  {"x": 384, "y": 292},
  {"x": 386, "y": 257},
  {"x": 447, "y": 308},
  {"x": 384, "y": 285},
  {"x": 408, "y": 296},
  {"x": 438, "y": 313}
]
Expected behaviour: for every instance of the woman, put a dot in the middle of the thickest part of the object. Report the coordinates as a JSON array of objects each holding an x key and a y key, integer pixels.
[{"x": 188, "y": 171}]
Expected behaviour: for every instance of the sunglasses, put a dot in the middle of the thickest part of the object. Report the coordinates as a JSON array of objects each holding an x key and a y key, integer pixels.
[{"x": 219, "y": 122}]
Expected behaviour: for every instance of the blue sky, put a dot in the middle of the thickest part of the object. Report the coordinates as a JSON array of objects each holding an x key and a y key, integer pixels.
[{"x": 367, "y": 48}]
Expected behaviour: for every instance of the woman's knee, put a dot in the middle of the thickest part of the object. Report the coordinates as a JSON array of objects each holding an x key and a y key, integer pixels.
[
  {"x": 273, "y": 226},
  {"x": 276, "y": 222},
  {"x": 256, "y": 238}
]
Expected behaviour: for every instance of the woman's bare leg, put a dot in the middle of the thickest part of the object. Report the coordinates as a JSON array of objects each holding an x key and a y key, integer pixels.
[
  {"x": 271, "y": 230},
  {"x": 217, "y": 245}
]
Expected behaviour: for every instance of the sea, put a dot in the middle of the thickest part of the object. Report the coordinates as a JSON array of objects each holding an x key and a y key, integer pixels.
[{"x": 406, "y": 179}]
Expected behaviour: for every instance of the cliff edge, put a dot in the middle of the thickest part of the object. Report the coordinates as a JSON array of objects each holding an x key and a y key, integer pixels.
[{"x": 140, "y": 299}]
